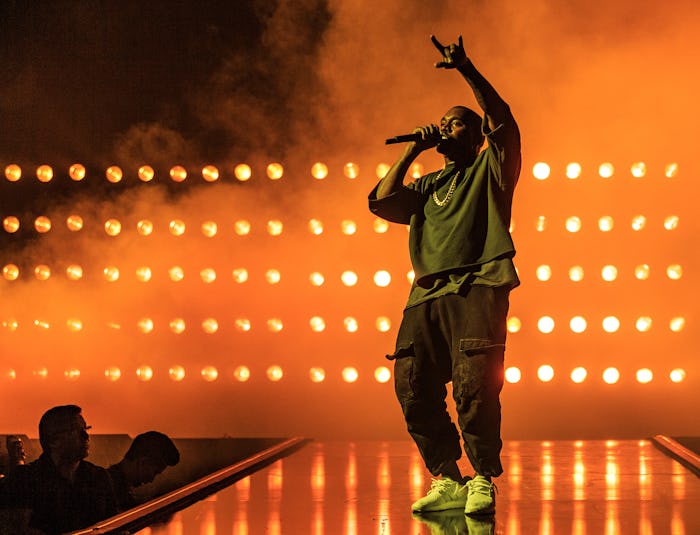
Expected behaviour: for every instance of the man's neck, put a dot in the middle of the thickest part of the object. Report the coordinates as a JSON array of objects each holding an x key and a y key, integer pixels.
[
  {"x": 460, "y": 162},
  {"x": 67, "y": 468}
]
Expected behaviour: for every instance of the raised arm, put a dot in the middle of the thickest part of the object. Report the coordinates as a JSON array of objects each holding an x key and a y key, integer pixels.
[{"x": 454, "y": 57}]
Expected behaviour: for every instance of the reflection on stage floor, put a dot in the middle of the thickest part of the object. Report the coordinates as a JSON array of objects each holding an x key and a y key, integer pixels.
[{"x": 572, "y": 487}]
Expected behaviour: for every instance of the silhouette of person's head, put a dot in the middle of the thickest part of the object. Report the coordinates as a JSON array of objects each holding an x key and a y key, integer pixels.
[
  {"x": 15, "y": 450},
  {"x": 63, "y": 434},
  {"x": 149, "y": 454}
]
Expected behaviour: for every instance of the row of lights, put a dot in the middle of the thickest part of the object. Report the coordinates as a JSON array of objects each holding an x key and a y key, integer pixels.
[
  {"x": 608, "y": 272},
  {"x": 209, "y": 173},
  {"x": 177, "y": 373},
  {"x": 275, "y": 227},
  {"x": 319, "y": 171},
  {"x": 611, "y": 375},
  {"x": 208, "y": 325},
  {"x": 574, "y": 170},
  {"x": 606, "y": 223},
  {"x": 178, "y": 227},
  {"x": 610, "y": 324},
  {"x": 43, "y": 272},
  {"x": 381, "y": 278},
  {"x": 349, "y": 374},
  {"x": 545, "y": 324}
]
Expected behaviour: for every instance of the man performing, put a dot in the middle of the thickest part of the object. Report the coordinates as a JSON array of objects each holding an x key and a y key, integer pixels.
[{"x": 454, "y": 324}]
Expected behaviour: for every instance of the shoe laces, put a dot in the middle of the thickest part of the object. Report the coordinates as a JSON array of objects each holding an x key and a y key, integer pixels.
[
  {"x": 438, "y": 485},
  {"x": 483, "y": 486}
]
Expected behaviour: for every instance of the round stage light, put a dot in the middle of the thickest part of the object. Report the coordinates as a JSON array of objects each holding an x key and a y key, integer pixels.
[
  {"x": 579, "y": 374},
  {"x": 176, "y": 373},
  {"x": 350, "y": 374},
  {"x": 275, "y": 325},
  {"x": 210, "y": 228},
  {"x": 209, "y": 373},
  {"x": 178, "y": 173},
  {"x": 177, "y": 227},
  {"x": 144, "y": 274},
  {"x": 350, "y": 324},
  {"x": 545, "y": 373},
  {"x": 144, "y": 373},
  {"x": 210, "y": 173},
  {"x": 380, "y": 225},
  {"x": 241, "y": 374},
  {"x": 274, "y": 373},
  {"x": 382, "y": 374},
  {"x": 114, "y": 174},
  {"x": 210, "y": 325},
  {"x": 10, "y": 224},
  {"x": 318, "y": 324},
  {"x": 113, "y": 373},
  {"x": 606, "y": 170},
  {"x": 573, "y": 170},
  {"x": 13, "y": 172},
  {"x": 176, "y": 273},
  {"x": 513, "y": 374},
  {"x": 42, "y": 224},
  {"x": 242, "y": 172},
  {"x": 638, "y": 169},
  {"x": 319, "y": 170},
  {"x": 349, "y": 278},
  {"x": 317, "y": 279},
  {"x": 74, "y": 223},
  {"x": 611, "y": 375},
  {"x": 241, "y": 227},
  {"x": 348, "y": 227},
  {"x": 177, "y": 325},
  {"x": 351, "y": 170},
  {"x": 144, "y": 227},
  {"x": 113, "y": 227},
  {"x": 541, "y": 171},
  {"x": 545, "y": 324},
  {"x": 275, "y": 171},
  {"x": 242, "y": 324},
  {"x": 317, "y": 375},
  {"x": 74, "y": 325},
  {"x": 146, "y": 173},
  {"x": 44, "y": 173},
  {"x": 383, "y": 324},
  {"x": 10, "y": 272},
  {"x": 382, "y": 278},
  {"x": 76, "y": 172},
  {"x": 240, "y": 275},
  {"x": 208, "y": 275}
]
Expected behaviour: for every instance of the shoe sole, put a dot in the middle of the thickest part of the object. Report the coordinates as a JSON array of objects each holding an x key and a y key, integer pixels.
[
  {"x": 481, "y": 512},
  {"x": 442, "y": 507}
]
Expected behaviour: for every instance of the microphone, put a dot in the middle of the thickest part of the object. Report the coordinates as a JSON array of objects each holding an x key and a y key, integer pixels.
[{"x": 406, "y": 138}]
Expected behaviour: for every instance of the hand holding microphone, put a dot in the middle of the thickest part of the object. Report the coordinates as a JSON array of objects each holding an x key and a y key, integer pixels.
[{"x": 425, "y": 137}]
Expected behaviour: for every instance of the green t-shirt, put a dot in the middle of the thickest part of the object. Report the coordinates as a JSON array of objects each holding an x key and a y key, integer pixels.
[{"x": 459, "y": 220}]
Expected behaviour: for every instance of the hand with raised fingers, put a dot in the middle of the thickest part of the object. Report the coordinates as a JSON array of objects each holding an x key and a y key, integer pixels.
[{"x": 453, "y": 55}]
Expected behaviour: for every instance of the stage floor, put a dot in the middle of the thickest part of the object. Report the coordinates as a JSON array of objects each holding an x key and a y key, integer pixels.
[{"x": 355, "y": 488}]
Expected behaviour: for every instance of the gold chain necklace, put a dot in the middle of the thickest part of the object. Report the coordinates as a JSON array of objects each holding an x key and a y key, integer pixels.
[{"x": 450, "y": 191}]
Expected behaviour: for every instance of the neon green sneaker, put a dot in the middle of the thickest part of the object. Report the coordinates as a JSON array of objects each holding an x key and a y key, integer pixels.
[
  {"x": 481, "y": 497},
  {"x": 450, "y": 522},
  {"x": 444, "y": 494},
  {"x": 484, "y": 525}
]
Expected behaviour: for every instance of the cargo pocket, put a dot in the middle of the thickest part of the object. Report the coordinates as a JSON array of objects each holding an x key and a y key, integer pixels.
[
  {"x": 404, "y": 350},
  {"x": 475, "y": 346}
]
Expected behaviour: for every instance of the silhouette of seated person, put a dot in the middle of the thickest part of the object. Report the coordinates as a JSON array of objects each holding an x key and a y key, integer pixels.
[
  {"x": 149, "y": 455},
  {"x": 16, "y": 455},
  {"x": 60, "y": 491}
]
